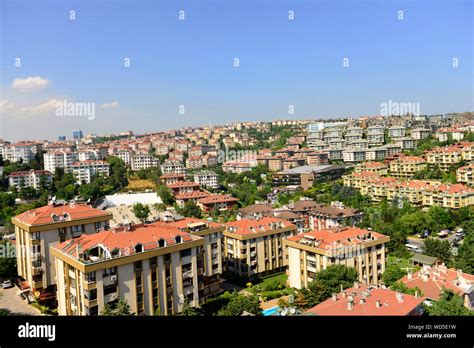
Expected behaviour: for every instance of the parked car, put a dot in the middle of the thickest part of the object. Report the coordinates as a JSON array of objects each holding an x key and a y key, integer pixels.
[{"x": 7, "y": 284}]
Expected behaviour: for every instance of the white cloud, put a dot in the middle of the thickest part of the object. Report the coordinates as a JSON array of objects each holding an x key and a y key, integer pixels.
[
  {"x": 27, "y": 83},
  {"x": 39, "y": 109},
  {"x": 47, "y": 106},
  {"x": 111, "y": 105}
]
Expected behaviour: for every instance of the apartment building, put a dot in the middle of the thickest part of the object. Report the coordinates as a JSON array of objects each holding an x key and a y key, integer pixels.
[
  {"x": 216, "y": 202},
  {"x": 38, "y": 229},
  {"x": 125, "y": 156},
  {"x": 322, "y": 217},
  {"x": 465, "y": 175},
  {"x": 309, "y": 253},
  {"x": 444, "y": 157},
  {"x": 206, "y": 179},
  {"x": 418, "y": 192},
  {"x": 237, "y": 167},
  {"x": 30, "y": 178},
  {"x": 172, "y": 178},
  {"x": 213, "y": 252},
  {"x": 376, "y": 153},
  {"x": 449, "y": 196},
  {"x": 84, "y": 171},
  {"x": 375, "y": 135},
  {"x": 24, "y": 151},
  {"x": 396, "y": 132},
  {"x": 353, "y": 154},
  {"x": 59, "y": 159},
  {"x": 407, "y": 166},
  {"x": 445, "y": 134},
  {"x": 175, "y": 167},
  {"x": 364, "y": 300},
  {"x": 406, "y": 143},
  {"x": 420, "y": 133},
  {"x": 183, "y": 187},
  {"x": 143, "y": 161},
  {"x": 194, "y": 162},
  {"x": 378, "y": 168},
  {"x": 194, "y": 196},
  {"x": 152, "y": 267},
  {"x": 255, "y": 247}
]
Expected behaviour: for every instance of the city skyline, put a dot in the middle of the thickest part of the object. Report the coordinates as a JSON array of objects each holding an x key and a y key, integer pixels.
[{"x": 291, "y": 58}]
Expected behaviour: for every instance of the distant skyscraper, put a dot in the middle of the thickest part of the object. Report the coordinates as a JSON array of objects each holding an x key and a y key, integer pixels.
[
  {"x": 62, "y": 138},
  {"x": 77, "y": 134}
]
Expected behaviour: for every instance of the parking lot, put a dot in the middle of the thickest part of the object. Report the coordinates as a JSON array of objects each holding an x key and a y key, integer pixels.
[{"x": 11, "y": 302}]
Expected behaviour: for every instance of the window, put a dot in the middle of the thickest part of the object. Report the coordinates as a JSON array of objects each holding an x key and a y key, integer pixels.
[
  {"x": 98, "y": 226},
  {"x": 185, "y": 253},
  {"x": 137, "y": 265},
  {"x": 153, "y": 262},
  {"x": 91, "y": 295},
  {"x": 108, "y": 272},
  {"x": 77, "y": 229},
  {"x": 110, "y": 289},
  {"x": 90, "y": 277}
]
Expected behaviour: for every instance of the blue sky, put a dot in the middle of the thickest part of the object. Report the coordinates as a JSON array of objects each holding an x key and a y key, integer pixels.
[{"x": 190, "y": 62}]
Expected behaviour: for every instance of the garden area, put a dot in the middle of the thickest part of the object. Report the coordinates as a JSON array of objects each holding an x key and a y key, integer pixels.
[{"x": 270, "y": 287}]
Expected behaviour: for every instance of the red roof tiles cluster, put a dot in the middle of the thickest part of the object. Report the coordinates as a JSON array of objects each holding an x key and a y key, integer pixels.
[{"x": 253, "y": 226}]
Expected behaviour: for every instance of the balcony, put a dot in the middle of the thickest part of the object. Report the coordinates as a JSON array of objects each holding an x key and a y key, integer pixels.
[
  {"x": 253, "y": 253},
  {"x": 35, "y": 256},
  {"x": 36, "y": 270},
  {"x": 188, "y": 274},
  {"x": 110, "y": 297},
  {"x": 215, "y": 261},
  {"x": 90, "y": 303},
  {"x": 188, "y": 290},
  {"x": 37, "y": 284}
]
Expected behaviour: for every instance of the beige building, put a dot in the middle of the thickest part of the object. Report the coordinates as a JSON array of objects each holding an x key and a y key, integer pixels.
[
  {"x": 465, "y": 175},
  {"x": 407, "y": 166},
  {"x": 444, "y": 157},
  {"x": 152, "y": 267},
  {"x": 374, "y": 167},
  {"x": 38, "y": 229},
  {"x": 255, "y": 247},
  {"x": 309, "y": 253}
]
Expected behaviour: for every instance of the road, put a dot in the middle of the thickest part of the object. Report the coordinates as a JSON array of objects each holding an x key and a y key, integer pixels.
[{"x": 11, "y": 302}]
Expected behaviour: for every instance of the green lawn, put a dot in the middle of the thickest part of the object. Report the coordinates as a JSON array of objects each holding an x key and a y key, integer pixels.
[
  {"x": 280, "y": 277},
  {"x": 401, "y": 262}
]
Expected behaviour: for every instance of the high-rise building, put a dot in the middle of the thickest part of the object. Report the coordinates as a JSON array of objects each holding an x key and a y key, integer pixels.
[{"x": 77, "y": 134}]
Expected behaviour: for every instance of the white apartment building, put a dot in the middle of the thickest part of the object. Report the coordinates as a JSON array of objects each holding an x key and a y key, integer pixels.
[
  {"x": 125, "y": 156},
  {"x": 396, "y": 131},
  {"x": 85, "y": 170},
  {"x": 143, "y": 161},
  {"x": 420, "y": 133},
  {"x": 206, "y": 179},
  {"x": 60, "y": 159},
  {"x": 175, "y": 167},
  {"x": 353, "y": 155},
  {"x": 25, "y": 151},
  {"x": 29, "y": 178}
]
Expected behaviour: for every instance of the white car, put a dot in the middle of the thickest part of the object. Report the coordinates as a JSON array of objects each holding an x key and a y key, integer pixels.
[{"x": 7, "y": 284}]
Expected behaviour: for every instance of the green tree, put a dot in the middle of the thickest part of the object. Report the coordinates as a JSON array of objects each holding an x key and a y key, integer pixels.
[
  {"x": 449, "y": 304},
  {"x": 121, "y": 308},
  {"x": 7, "y": 264},
  {"x": 190, "y": 209},
  {"x": 440, "y": 249},
  {"x": 326, "y": 283},
  {"x": 392, "y": 274},
  {"x": 242, "y": 303},
  {"x": 165, "y": 194},
  {"x": 141, "y": 211}
]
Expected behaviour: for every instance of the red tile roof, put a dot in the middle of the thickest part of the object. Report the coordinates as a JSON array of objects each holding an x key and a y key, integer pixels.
[
  {"x": 191, "y": 195},
  {"x": 146, "y": 235},
  {"x": 432, "y": 280},
  {"x": 253, "y": 226},
  {"x": 212, "y": 199},
  {"x": 180, "y": 184},
  {"x": 365, "y": 300},
  {"x": 49, "y": 214},
  {"x": 335, "y": 238}
]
